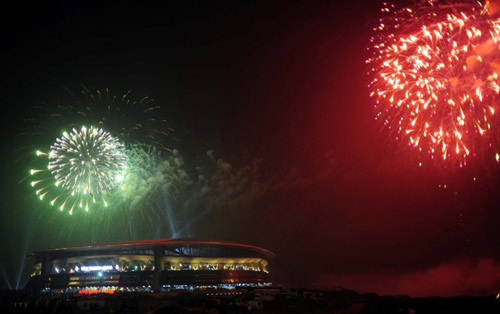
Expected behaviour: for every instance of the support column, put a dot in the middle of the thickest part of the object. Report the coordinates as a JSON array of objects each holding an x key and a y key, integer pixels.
[
  {"x": 45, "y": 271},
  {"x": 157, "y": 272}
]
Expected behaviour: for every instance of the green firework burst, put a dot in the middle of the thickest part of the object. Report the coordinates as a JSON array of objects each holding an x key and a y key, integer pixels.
[{"x": 84, "y": 167}]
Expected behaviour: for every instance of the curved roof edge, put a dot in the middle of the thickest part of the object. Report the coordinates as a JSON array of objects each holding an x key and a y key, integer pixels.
[{"x": 155, "y": 242}]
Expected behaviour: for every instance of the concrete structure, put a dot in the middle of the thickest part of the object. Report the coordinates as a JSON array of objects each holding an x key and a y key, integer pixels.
[{"x": 163, "y": 264}]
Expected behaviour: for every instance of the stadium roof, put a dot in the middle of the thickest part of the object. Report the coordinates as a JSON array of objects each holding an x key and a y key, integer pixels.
[{"x": 147, "y": 244}]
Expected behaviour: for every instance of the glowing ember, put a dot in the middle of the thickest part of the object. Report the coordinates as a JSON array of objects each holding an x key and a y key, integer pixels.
[
  {"x": 435, "y": 77},
  {"x": 85, "y": 166}
]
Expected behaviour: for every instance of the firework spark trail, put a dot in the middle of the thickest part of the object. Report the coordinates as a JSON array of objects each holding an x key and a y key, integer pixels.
[
  {"x": 83, "y": 167},
  {"x": 435, "y": 77},
  {"x": 132, "y": 120},
  {"x": 89, "y": 166}
]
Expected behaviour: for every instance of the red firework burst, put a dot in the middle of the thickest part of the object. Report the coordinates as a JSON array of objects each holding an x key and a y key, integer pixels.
[{"x": 435, "y": 77}]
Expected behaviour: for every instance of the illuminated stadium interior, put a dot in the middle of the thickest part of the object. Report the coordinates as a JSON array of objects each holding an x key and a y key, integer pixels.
[{"x": 153, "y": 265}]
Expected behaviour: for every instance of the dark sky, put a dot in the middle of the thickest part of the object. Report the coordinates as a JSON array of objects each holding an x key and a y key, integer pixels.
[{"x": 269, "y": 100}]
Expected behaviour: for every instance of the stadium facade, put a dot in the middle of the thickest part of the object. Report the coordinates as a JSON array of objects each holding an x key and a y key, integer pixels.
[{"x": 150, "y": 265}]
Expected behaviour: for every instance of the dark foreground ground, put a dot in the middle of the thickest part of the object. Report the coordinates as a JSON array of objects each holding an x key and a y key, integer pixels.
[{"x": 255, "y": 301}]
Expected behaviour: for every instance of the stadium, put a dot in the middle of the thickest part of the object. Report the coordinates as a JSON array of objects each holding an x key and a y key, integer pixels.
[{"x": 150, "y": 265}]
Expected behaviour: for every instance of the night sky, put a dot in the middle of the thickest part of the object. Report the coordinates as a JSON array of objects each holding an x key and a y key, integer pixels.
[{"x": 268, "y": 100}]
